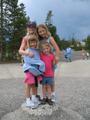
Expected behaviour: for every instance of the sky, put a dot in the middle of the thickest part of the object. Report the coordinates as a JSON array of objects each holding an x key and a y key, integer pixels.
[{"x": 71, "y": 17}]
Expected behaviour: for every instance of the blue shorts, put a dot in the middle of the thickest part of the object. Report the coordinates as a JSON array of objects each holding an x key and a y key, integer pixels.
[{"x": 47, "y": 81}]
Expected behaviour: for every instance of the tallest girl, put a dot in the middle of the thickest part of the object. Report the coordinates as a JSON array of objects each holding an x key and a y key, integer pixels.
[{"x": 45, "y": 36}]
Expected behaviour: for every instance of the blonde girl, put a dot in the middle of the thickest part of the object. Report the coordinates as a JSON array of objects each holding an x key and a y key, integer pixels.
[
  {"x": 32, "y": 67},
  {"x": 44, "y": 35}
]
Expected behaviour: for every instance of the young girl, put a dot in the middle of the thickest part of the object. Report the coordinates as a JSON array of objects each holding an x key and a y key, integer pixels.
[
  {"x": 44, "y": 35},
  {"x": 33, "y": 67},
  {"x": 48, "y": 78},
  {"x": 31, "y": 30}
]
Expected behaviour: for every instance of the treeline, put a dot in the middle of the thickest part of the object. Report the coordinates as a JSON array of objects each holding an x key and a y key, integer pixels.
[
  {"x": 13, "y": 21},
  {"x": 63, "y": 44}
]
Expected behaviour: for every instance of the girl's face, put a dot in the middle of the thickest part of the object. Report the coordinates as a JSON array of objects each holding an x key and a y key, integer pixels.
[
  {"x": 33, "y": 44},
  {"x": 46, "y": 49},
  {"x": 30, "y": 31},
  {"x": 42, "y": 32}
]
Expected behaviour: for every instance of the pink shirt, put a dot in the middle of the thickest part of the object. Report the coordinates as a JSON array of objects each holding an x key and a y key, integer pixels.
[{"x": 48, "y": 60}]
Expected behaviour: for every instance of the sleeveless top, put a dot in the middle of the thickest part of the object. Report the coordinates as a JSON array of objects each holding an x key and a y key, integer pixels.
[{"x": 48, "y": 40}]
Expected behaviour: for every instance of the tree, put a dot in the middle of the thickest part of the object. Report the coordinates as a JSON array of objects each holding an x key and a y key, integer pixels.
[
  {"x": 87, "y": 43},
  {"x": 52, "y": 28},
  {"x": 13, "y": 21},
  {"x": 49, "y": 18}
]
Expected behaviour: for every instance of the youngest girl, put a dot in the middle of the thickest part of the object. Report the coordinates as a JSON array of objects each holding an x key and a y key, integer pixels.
[{"x": 48, "y": 78}]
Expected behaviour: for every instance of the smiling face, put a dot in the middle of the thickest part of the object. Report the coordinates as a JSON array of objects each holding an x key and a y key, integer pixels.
[
  {"x": 46, "y": 48},
  {"x": 33, "y": 44},
  {"x": 31, "y": 31},
  {"x": 42, "y": 32},
  {"x": 33, "y": 41}
]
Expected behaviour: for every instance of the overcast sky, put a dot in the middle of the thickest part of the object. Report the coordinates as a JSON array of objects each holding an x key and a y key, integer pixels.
[{"x": 71, "y": 17}]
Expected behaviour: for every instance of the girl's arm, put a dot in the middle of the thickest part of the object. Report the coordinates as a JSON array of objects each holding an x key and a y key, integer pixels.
[
  {"x": 57, "y": 50},
  {"x": 23, "y": 47}
]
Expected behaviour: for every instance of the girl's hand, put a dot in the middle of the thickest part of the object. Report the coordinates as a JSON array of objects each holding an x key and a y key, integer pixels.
[
  {"x": 57, "y": 59},
  {"x": 30, "y": 54}
]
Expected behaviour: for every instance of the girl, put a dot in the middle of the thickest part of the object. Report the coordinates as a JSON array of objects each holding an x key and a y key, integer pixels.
[
  {"x": 44, "y": 35},
  {"x": 48, "y": 78},
  {"x": 31, "y": 30},
  {"x": 33, "y": 67}
]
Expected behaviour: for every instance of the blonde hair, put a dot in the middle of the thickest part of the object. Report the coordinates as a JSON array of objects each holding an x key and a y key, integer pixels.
[
  {"x": 33, "y": 38},
  {"x": 45, "y": 44},
  {"x": 44, "y": 27}
]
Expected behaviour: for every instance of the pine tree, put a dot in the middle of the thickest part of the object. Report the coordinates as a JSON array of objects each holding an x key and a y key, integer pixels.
[
  {"x": 52, "y": 28},
  {"x": 13, "y": 21}
]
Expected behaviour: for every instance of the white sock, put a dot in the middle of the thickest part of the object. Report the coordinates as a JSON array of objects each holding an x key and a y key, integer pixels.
[
  {"x": 53, "y": 93},
  {"x": 27, "y": 99},
  {"x": 33, "y": 97}
]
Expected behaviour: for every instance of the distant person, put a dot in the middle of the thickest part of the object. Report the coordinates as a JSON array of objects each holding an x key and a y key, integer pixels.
[
  {"x": 68, "y": 54},
  {"x": 87, "y": 55},
  {"x": 83, "y": 54}
]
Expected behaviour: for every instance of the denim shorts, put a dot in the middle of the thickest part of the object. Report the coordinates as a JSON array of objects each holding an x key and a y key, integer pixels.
[{"x": 48, "y": 81}]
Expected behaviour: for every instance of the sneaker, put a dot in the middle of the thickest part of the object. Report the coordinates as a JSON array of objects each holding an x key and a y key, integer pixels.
[
  {"x": 50, "y": 102},
  {"x": 43, "y": 101},
  {"x": 36, "y": 101},
  {"x": 30, "y": 104},
  {"x": 38, "y": 97},
  {"x": 53, "y": 98}
]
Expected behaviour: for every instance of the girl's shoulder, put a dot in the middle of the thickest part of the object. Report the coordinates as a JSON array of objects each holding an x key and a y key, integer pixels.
[{"x": 49, "y": 39}]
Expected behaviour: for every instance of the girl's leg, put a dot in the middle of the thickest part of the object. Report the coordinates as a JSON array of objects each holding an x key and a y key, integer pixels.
[
  {"x": 34, "y": 98},
  {"x": 44, "y": 91},
  {"x": 49, "y": 100},
  {"x": 29, "y": 103},
  {"x": 27, "y": 90},
  {"x": 49, "y": 91}
]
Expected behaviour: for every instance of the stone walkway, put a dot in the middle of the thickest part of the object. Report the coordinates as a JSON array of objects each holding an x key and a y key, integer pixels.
[{"x": 72, "y": 87}]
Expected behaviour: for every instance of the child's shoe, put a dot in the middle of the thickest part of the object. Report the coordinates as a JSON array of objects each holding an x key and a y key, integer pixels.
[
  {"x": 30, "y": 104},
  {"x": 43, "y": 101},
  {"x": 38, "y": 97},
  {"x": 35, "y": 100},
  {"x": 50, "y": 102}
]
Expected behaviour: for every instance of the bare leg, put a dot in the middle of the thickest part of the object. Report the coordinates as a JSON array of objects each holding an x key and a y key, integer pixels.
[
  {"x": 49, "y": 91},
  {"x": 44, "y": 91},
  {"x": 27, "y": 90}
]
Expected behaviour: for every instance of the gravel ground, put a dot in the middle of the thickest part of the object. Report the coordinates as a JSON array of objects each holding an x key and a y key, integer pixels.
[{"x": 72, "y": 87}]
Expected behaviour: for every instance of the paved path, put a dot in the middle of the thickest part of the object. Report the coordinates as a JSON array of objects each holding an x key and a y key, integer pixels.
[{"x": 72, "y": 87}]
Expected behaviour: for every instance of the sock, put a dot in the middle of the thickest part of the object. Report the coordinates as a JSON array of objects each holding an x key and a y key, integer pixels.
[
  {"x": 27, "y": 99},
  {"x": 33, "y": 97},
  {"x": 53, "y": 93}
]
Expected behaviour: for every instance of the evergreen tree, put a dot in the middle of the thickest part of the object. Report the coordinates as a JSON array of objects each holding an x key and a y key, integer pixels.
[
  {"x": 12, "y": 26},
  {"x": 87, "y": 43},
  {"x": 52, "y": 28}
]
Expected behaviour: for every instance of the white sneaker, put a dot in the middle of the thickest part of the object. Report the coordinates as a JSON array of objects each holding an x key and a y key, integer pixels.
[
  {"x": 36, "y": 101},
  {"x": 30, "y": 104}
]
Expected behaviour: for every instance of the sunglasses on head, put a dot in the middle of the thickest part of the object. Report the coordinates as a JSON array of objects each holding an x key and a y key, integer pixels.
[{"x": 31, "y": 25}]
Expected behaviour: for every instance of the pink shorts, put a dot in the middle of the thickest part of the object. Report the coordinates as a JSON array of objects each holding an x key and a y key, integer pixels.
[{"x": 29, "y": 78}]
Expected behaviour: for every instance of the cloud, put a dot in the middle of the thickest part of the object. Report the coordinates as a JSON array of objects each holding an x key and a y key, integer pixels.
[{"x": 69, "y": 16}]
